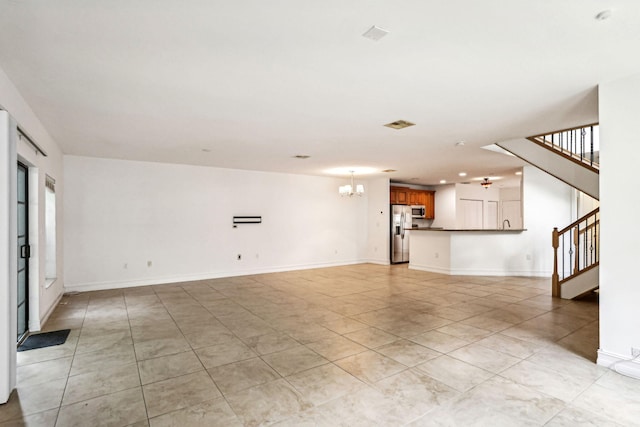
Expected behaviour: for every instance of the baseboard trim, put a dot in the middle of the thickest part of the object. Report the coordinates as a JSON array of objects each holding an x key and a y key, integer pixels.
[
  {"x": 621, "y": 364},
  {"x": 429, "y": 269},
  {"x": 607, "y": 359},
  {"x": 161, "y": 280},
  {"x": 465, "y": 272},
  {"x": 377, "y": 262},
  {"x": 37, "y": 325}
]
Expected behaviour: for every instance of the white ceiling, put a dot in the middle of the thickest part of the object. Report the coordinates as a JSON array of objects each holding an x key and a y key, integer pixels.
[{"x": 256, "y": 82}]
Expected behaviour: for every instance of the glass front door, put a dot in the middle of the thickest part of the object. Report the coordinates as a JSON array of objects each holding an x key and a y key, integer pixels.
[{"x": 23, "y": 252}]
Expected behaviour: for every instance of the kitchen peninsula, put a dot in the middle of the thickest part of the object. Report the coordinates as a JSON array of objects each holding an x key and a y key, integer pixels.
[{"x": 488, "y": 252}]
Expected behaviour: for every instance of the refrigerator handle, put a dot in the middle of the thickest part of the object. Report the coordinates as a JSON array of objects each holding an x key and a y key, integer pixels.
[{"x": 402, "y": 224}]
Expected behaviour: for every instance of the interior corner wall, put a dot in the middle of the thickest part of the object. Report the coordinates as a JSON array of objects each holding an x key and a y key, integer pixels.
[
  {"x": 378, "y": 219},
  {"x": 42, "y": 299},
  {"x": 619, "y": 109},
  {"x": 131, "y": 223}
]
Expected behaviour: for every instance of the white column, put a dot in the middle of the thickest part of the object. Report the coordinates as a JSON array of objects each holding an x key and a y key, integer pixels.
[
  {"x": 8, "y": 256},
  {"x": 619, "y": 109}
]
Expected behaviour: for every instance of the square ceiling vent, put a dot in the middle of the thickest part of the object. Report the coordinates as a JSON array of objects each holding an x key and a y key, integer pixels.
[
  {"x": 399, "y": 124},
  {"x": 375, "y": 33}
]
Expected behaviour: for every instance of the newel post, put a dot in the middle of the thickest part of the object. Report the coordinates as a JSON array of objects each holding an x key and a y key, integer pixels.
[{"x": 555, "y": 279}]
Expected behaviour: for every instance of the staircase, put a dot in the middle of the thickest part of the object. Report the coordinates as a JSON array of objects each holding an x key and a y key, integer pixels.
[
  {"x": 572, "y": 156},
  {"x": 576, "y": 257}
]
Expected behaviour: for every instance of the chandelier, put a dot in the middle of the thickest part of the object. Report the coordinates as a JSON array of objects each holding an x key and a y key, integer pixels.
[
  {"x": 351, "y": 189},
  {"x": 486, "y": 183}
]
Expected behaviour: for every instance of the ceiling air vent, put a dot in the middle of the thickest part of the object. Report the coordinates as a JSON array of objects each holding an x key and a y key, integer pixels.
[
  {"x": 399, "y": 124},
  {"x": 375, "y": 33},
  {"x": 389, "y": 170}
]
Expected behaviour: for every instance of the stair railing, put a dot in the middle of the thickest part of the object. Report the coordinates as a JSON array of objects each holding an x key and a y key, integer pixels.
[
  {"x": 580, "y": 144},
  {"x": 576, "y": 249}
]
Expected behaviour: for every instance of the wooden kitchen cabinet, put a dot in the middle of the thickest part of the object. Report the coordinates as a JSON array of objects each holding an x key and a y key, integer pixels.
[
  {"x": 399, "y": 195},
  {"x": 408, "y": 196},
  {"x": 430, "y": 204},
  {"x": 420, "y": 198},
  {"x": 413, "y": 197}
]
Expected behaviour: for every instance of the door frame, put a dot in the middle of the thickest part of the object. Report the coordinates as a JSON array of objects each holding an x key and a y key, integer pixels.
[
  {"x": 27, "y": 263},
  {"x": 8, "y": 255}
]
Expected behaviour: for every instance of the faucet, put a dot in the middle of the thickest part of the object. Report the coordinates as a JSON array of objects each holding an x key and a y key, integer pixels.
[{"x": 508, "y": 223}]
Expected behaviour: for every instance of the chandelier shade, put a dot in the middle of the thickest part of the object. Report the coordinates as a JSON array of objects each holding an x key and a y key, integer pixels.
[{"x": 351, "y": 189}]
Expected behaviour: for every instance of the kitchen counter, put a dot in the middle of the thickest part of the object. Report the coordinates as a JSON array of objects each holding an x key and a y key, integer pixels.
[{"x": 476, "y": 252}]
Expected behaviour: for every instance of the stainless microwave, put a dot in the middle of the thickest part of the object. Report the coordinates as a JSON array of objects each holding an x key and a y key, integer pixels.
[{"x": 418, "y": 211}]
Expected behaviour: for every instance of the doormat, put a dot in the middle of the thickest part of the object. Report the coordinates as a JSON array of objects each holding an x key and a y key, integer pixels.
[{"x": 47, "y": 339}]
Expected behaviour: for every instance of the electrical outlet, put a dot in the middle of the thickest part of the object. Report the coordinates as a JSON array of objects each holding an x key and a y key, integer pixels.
[
  {"x": 437, "y": 255},
  {"x": 635, "y": 352},
  {"x": 239, "y": 257},
  {"x": 528, "y": 257},
  {"x": 149, "y": 263},
  {"x": 125, "y": 266}
]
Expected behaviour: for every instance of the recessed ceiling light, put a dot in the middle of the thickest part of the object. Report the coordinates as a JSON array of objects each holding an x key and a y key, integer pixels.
[
  {"x": 443, "y": 181},
  {"x": 375, "y": 33},
  {"x": 415, "y": 179},
  {"x": 462, "y": 174},
  {"x": 460, "y": 144},
  {"x": 604, "y": 15},
  {"x": 389, "y": 170},
  {"x": 519, "y": 173},
  {"x": 399, "y": 124},
  {"x": 206, "y": 150},
  {"x": 301, "y": 156}
]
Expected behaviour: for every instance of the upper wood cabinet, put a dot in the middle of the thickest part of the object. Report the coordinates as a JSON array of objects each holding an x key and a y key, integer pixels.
[
  {"x": 430, "y": 204},
  {"x": 399, "y": 195},
  {"x": 409, "y": 196}
]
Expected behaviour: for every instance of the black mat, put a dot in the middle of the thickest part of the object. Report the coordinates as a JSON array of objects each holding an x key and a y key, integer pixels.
[{"x": 47, "y": 339}]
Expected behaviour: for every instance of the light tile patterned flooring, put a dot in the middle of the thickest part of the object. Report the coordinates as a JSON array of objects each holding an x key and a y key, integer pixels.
[{"x": 361, "y": 345}]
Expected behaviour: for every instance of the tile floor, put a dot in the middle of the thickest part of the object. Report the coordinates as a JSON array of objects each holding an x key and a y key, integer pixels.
[{"x": 362, "y": 345}]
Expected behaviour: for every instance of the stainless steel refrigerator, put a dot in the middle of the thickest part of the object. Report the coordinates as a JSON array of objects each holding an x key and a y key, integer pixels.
[{"x": 400, "y": 225}]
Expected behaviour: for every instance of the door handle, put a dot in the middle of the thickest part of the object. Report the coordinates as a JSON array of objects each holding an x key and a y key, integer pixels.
[{"x": 25, "y": 251}]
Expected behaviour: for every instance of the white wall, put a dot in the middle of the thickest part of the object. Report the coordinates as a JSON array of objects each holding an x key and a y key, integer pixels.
[
  {"x": 619, "y": 108},
  {"x": 510, "y": 207},
  {"x": 445, "y": 206},
  {"x": 378, "y": 220},
  {"x": 585, "y": 204},
  {"x": 546, "y": 204},
  {"x": 121, "y": 214},
  {"x": 510, "y": 193}
]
